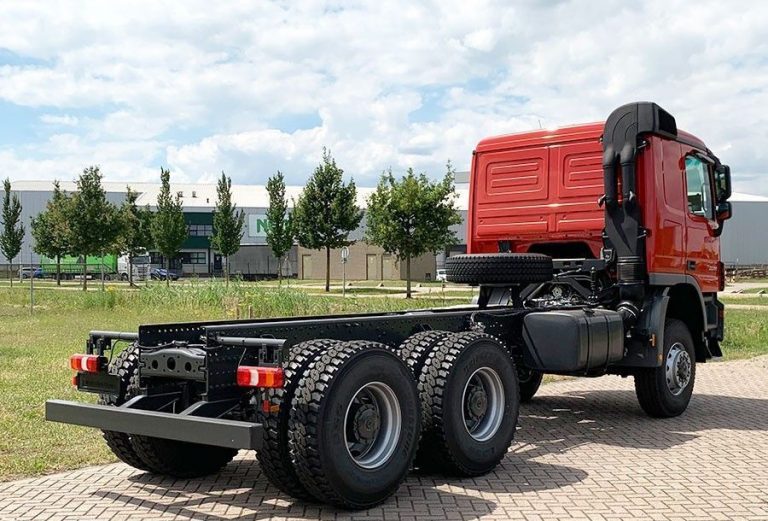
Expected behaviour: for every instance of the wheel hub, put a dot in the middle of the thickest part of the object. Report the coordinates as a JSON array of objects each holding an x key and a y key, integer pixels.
[
  {"x": 478, "y": 403},
  {"x": 373, "y": 423},
  {"x": 483, "y": 404},
  {"x": 367, "y": 422},
  {"x": 678, "y": 368}
]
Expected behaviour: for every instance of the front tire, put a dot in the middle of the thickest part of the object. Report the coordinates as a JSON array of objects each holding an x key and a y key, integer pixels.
[
  {"x": 665, "y": 391},
  {"x": 470, "y": 404},
  {"x": 354, "y": 425},
  {"x": 530, "y": 381}
]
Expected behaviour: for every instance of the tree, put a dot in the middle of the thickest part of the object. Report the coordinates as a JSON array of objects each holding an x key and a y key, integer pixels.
[
  {"x": 412, "y": 215},
  {"x": 169, "y": 231},
  {"x": 93, "y": 220},
  {"x": 326, "y": 211},
  {"x": 51, "y": 229},
  {"x": 279, "y": 221},
  {"x": 135, "y": 230},
  {"x": 12, "y": 233},
  {"x": 227, "y": 223}
]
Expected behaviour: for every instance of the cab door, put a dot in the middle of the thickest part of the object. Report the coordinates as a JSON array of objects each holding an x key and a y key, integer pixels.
[{"x": 702, "y": 246}]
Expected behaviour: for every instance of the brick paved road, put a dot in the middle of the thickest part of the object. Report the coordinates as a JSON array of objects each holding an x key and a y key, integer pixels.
[{"x": 584, "y": 451}]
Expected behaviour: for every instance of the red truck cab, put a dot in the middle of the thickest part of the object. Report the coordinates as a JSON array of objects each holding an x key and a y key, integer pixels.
[{"x": 540, "y": 192}]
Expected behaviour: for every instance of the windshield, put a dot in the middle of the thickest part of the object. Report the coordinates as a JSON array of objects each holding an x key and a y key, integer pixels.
[{"x": 141, "y": 259}]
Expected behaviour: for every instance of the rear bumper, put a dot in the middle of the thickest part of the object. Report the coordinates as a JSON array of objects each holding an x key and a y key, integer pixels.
[{"x": 193, "y": 429}]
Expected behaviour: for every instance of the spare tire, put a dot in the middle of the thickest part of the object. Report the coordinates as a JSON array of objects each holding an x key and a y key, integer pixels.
[{"x": 499, "y": 268}]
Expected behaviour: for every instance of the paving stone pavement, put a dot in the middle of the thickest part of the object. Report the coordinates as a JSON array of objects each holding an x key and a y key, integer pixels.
[{"x": 584, "y": 450}]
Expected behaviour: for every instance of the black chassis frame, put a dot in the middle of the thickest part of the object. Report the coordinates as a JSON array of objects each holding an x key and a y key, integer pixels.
[{"x": 195, "y": 405}]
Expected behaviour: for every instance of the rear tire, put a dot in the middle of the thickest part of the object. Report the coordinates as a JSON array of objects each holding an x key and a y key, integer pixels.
[
  {"x": 274, "y": 455},
  {"x": 181, "y": 459},
  {"x": 354, "y": 425},
  {"x": 125, "y": 366},
  {"x": 415, "y": 351},
  {"x": 416, "y": 348},
  {"x": 530, "y": 381},
  {"x": 499, "y": 268},
  {"x": 665, "y": 391},
  {"x": 470, "y": 404}
]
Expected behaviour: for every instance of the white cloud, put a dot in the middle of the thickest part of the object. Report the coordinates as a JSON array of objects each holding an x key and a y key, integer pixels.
[
  {"x": 65, "y": 121},
  {"x": 252, "y": 87}
]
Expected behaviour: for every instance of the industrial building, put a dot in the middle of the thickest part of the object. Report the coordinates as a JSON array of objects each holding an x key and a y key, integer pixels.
[
  {"x": 743, "y": 242},
  {"x": 254, "y": 259}
]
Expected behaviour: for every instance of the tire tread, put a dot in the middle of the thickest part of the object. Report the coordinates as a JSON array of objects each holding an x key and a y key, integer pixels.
[{"x": 499, "y": 268}]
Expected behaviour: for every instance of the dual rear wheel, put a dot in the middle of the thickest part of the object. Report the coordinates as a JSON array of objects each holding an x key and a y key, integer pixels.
[
  {"x": 347, "y": 424},
  {"x": 352, "y": 415}
]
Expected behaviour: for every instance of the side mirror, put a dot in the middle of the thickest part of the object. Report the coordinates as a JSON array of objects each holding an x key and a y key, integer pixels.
[
  {"x": 722, "y": 184},
  {"x": 724, "y": 211}
]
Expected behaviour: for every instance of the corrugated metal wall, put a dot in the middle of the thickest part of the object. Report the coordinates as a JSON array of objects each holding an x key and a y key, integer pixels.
[
  {"x": 32, "y": 203},
  {"x": 745, "y": 237}
]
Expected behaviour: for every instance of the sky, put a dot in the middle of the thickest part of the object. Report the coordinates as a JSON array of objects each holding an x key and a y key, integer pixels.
[{"x": 252, "y": 87}]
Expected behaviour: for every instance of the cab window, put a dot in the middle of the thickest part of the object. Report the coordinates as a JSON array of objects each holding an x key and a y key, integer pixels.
[{"x": 699, "y": 190}]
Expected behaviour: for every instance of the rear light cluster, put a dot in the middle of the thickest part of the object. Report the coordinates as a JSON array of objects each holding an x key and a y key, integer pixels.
[
  {"x": 253, "y": 376},
  {"x": 87, "y": 363}
]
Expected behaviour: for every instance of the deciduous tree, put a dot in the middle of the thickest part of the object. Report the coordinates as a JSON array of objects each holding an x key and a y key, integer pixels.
[
  {"x": 412, "y": 215},
  {"x": 279, "y": 221},
  {"x": 93, "y": 220},
  {"x": 12, "y": 232},
  {"x": 169, "y": 231},
  {"x": 326, "y": 211},
  {"x": 135, "y": 230},
  {"x": 51, "y": 230},
  {"x": 227, "y": 223}
]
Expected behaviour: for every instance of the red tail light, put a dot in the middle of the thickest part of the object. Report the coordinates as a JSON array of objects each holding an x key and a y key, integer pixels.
[
  {"x": 87, "y": 363},
  {"x": 251, "y": 376}
]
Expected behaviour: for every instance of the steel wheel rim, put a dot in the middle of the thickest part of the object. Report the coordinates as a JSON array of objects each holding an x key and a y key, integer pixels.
[
  {"x": 678, "y": 369},
  {"x": 524, "y": 375},
  {"x": 483, "y": 403},
  {"x": 372, "y": 425}
]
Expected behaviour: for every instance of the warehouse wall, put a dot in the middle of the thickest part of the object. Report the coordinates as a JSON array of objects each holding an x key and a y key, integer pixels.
[
  {"x": 745, "y": 237},
  {"x": 32, "y": 203},
  {"x": 259, "y": 262},
  {"x": 366, "y": 262}
]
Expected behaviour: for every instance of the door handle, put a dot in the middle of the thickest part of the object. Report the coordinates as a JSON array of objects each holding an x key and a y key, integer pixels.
[{"x": 691, "y": 265}]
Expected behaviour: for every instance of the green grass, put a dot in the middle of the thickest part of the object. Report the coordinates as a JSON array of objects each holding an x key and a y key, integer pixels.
[
  {"x": 746, "y": 333},
  {"x": 746, "y": 301},
  {"x": 34, "y": 350},
  {"x": 355, "y": 290},
  {"x": 361, "y": 283},
  {"x": 756, "y": 290}
]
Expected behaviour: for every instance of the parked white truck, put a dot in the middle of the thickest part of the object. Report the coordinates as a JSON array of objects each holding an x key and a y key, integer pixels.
[{"x": 141, "y": 267}]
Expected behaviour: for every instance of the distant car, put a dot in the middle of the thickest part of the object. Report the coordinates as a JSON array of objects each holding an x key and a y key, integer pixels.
[
  {"x": 27, "y": 272},
  {"x": 440, "y": 276},
  {"x": 163, "y": 274}
]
